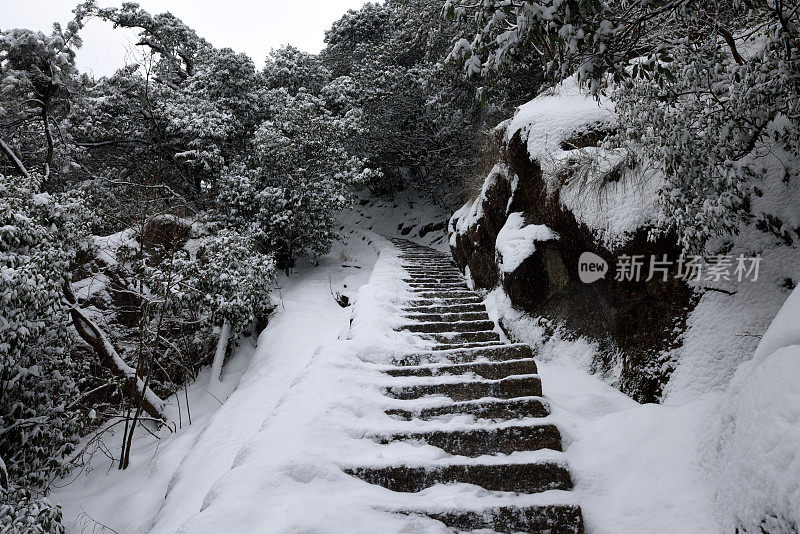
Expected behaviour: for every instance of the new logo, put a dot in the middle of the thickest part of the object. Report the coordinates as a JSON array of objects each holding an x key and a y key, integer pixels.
[{"x": 591, "y": 267}]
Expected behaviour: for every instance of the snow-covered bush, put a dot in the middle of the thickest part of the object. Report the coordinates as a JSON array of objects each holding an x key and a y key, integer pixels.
[
  {"x": 222, "y": 279},
  {"x": 713, "y": 128},
  {"x": 39, "y": 234},
  {"x": 23, "y": 513}
]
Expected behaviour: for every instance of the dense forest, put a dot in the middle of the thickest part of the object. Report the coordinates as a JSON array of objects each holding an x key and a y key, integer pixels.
[{"x": 145, "y": 216}]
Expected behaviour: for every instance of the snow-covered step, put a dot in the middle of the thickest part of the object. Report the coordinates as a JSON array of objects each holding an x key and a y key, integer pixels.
[
  {"x": 433, "y": 269},
  {"x": 488, "y": 409},
  {"x": 443, "y": 301},
  {"x": 448, "y": 317},
  {"x": 438, "y": 285},
  {"x": 451, "y": 346},
  {"x": 423, "y": 261},
  {"x": 460, "y": 390},
  {"x": 449, "y": 326},
  {"x": 488, "y": 370},
  {"x": 478, "y": 441},
  {"x": 497, "y": 474},
  {"x": 445, "y": 308},
  {"x": 544, "y": 519},
  {"x": 442, "y": 293},
  {"x": 491, "y": 353},
  {"x": 463, "y": 337},
  {"x": 427, "y": 277},
  {"x": 433, "y": 273}
]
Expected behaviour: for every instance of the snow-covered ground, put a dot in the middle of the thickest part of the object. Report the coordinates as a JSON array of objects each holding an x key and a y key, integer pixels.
[{"x": 266, "y": 455}]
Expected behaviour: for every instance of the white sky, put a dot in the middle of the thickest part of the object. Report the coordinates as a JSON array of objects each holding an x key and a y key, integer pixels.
[{"x": 251, "y": 26}]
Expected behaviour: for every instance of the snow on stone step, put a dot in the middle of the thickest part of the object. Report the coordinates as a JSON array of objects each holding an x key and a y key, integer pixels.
[
  {"x": 448, "y": 326},
  {"x": 444, "y": 301},
  {"x": 446, "y": 293},
  {"x": 451, "y": 346},
  {"x": 431, "y": 279},
  {"x": 551, "y": 511},
  {"x": 553, "y": 519},
  {"x": 447, "y": 317},
  {"x": 482, "y": 409},
  {"x": 432, "y": 269},
  {"x": 459, "y": 390},
  {"x": 462, "y": 337},
  {"x": 478, "y": 441},
  {"x": 445, "y": 286},
  {"x": 488, "y": 370},
  {"x": 491, "y": 353},
  {"x": 541, "y": 470},
  {"x": 440, "y": 308}
]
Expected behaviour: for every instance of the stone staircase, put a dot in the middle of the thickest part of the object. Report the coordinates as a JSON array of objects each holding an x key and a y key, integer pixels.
[{"x": 505, "y": 447}]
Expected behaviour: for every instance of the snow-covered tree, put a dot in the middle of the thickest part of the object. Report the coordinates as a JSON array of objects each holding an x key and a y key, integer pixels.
[
  {"x": 39, "y": 236},
  {"x": 37, "y": 81},
  {"x": 295, "y": 71},
  {"x": 296, "y": 180}
]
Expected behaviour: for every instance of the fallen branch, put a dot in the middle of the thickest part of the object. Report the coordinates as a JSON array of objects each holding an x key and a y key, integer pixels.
[{"x": 96, "y": 338}]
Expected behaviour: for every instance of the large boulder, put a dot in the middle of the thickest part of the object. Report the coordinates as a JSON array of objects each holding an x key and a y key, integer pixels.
[{"x": 554, "y": 178}]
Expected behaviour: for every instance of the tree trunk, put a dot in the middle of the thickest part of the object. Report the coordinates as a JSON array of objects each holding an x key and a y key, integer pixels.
[
  {"x": 14, "y": 159},
  {"x": 3, "y": 474},
  {"x": 219, "y": 355},
  {"x": 134, "y": 386}
]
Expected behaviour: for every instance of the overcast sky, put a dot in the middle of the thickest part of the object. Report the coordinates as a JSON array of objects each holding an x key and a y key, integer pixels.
[{"x": 250, "y": 26}]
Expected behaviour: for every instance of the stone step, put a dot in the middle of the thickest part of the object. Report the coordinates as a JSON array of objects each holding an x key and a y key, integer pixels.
[
  {"x": 448, "y": 317},
  {"x": 452, "y": 326},
  {"x": 492, "y": 353},
  {"x": 442, "y": 290},
  {"x": 449, "y": 301},
  {"x": 519, "y": 477},
  {"x": 473, "y": 442},
  {"x": 445, "y": 279},
  {"x": 431, "y": 269},
  {"x": 439, "y": 308},
  {"x": 505, "y": 388},
  {"x": 463, "y": 337},
  {"x": 488, "y": 370},
  {"x": 447, "y": 294},
  {"x": 426, "y": 269},
  {"x": 430, "y": 273},
  {"x": 543, "y": 519},
  {"x": 438, "y": 285},
  {"x": 451, "y": 346},
  {"x": 488, "y": 409}
]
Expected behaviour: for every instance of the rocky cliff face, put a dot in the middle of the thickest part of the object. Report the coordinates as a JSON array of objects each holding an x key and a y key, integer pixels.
[{"x": 633, "y": 320}]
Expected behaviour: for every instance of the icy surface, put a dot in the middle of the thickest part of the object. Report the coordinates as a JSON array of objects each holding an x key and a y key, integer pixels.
[{"x": 516, "y": 241}]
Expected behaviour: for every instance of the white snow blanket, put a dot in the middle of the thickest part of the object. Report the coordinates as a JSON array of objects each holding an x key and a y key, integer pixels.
[{"x": 516, "y": 241}]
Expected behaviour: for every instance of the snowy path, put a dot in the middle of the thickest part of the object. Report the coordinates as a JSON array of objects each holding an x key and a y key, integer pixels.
[{"x": 437, "y": 420}]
